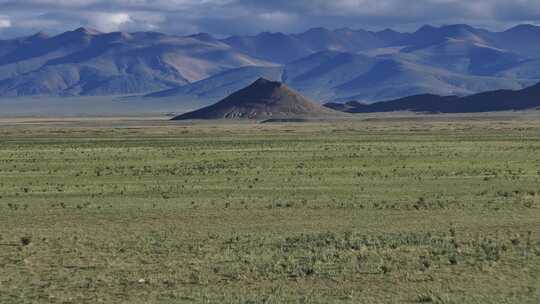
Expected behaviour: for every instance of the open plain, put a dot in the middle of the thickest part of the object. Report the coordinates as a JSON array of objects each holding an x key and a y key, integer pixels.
[{"x": 381, "y": 209}]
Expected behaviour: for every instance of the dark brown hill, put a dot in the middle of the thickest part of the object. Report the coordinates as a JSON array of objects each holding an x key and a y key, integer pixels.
[{"x": 263, "y": 99}]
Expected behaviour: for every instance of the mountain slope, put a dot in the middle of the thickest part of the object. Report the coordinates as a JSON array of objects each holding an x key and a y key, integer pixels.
[
  {"x": 224, "y": 83},
  {"x": 338, "y": 76},
  {"x": 522, "y": 39},
  {"x": 347, "y": 40},
  {"x": 86, "y": 62},
  {"x": 394, "y": 78},
  {"x": 285, "y": 48},
  {"x": 466, "y": 57},
  {"x": 428, "y": 36},
  {"x": 261, "y": 100},
  {"x": 275, "y": 47}
]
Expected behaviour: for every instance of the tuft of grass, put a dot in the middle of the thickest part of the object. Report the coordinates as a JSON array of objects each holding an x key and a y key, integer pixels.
[{"x": 26, "y": 240}]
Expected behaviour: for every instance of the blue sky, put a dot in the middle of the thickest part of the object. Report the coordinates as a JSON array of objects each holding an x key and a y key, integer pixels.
[{"x": 227, "y": 17}]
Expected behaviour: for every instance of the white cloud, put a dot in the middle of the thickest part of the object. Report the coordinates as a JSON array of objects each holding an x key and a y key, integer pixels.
[
  {"x": 5, "y": 22},
  {"x": 277, "y": 17},
  {"x": 250, "y": 16},
  {"x": 109, "y": 22}
]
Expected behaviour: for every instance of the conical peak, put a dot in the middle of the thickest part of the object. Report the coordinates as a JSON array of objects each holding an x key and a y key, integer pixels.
[
  {"x": 262, "y": 99},
  {"x": 265, "y": 83},
  {"x": 260, "y": 90},
  {"x": 87, "y": 31},
  {"x": 203, "y": 37},
  {"x": 524, "y": 28},
  {"x": 39, "y": 35}
]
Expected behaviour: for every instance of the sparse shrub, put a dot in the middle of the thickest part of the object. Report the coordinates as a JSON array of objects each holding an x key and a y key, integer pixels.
[
  {"x": 430, "y": 296},
  {"x": 25, "y": 240},
  {"x": 453, "y": 259}
]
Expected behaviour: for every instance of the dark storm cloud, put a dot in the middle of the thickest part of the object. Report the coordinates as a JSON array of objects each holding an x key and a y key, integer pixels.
[{"x": 225, "y": 17}]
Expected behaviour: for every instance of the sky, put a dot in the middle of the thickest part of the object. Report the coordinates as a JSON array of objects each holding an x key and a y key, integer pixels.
[{"x": 231, "y": 17}]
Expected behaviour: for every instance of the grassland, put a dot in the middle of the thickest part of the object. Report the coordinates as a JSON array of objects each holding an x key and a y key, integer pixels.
[{"x": 427, "y": 210}]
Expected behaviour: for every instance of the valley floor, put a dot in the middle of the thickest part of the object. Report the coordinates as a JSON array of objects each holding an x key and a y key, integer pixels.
[{"x": 420, "y": 209}]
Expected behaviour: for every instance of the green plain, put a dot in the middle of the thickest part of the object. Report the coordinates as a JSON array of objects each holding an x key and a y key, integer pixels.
[{"x": 416, "y": 210}]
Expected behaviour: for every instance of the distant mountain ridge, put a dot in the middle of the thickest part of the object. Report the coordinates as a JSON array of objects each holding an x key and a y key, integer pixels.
[
  {"x": 283, "y": 48},
  {"x": 499, "y": 100},
  {"x": 322, "y": 64}
]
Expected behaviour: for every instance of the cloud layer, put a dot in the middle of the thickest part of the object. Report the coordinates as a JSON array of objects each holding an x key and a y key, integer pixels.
[{"x": 226, "y": 17}]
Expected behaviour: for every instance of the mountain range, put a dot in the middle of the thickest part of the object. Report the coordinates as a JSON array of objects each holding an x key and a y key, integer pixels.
[
  {"x": 324, "y": 65},
  {"x": 87, "y": 62}
]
